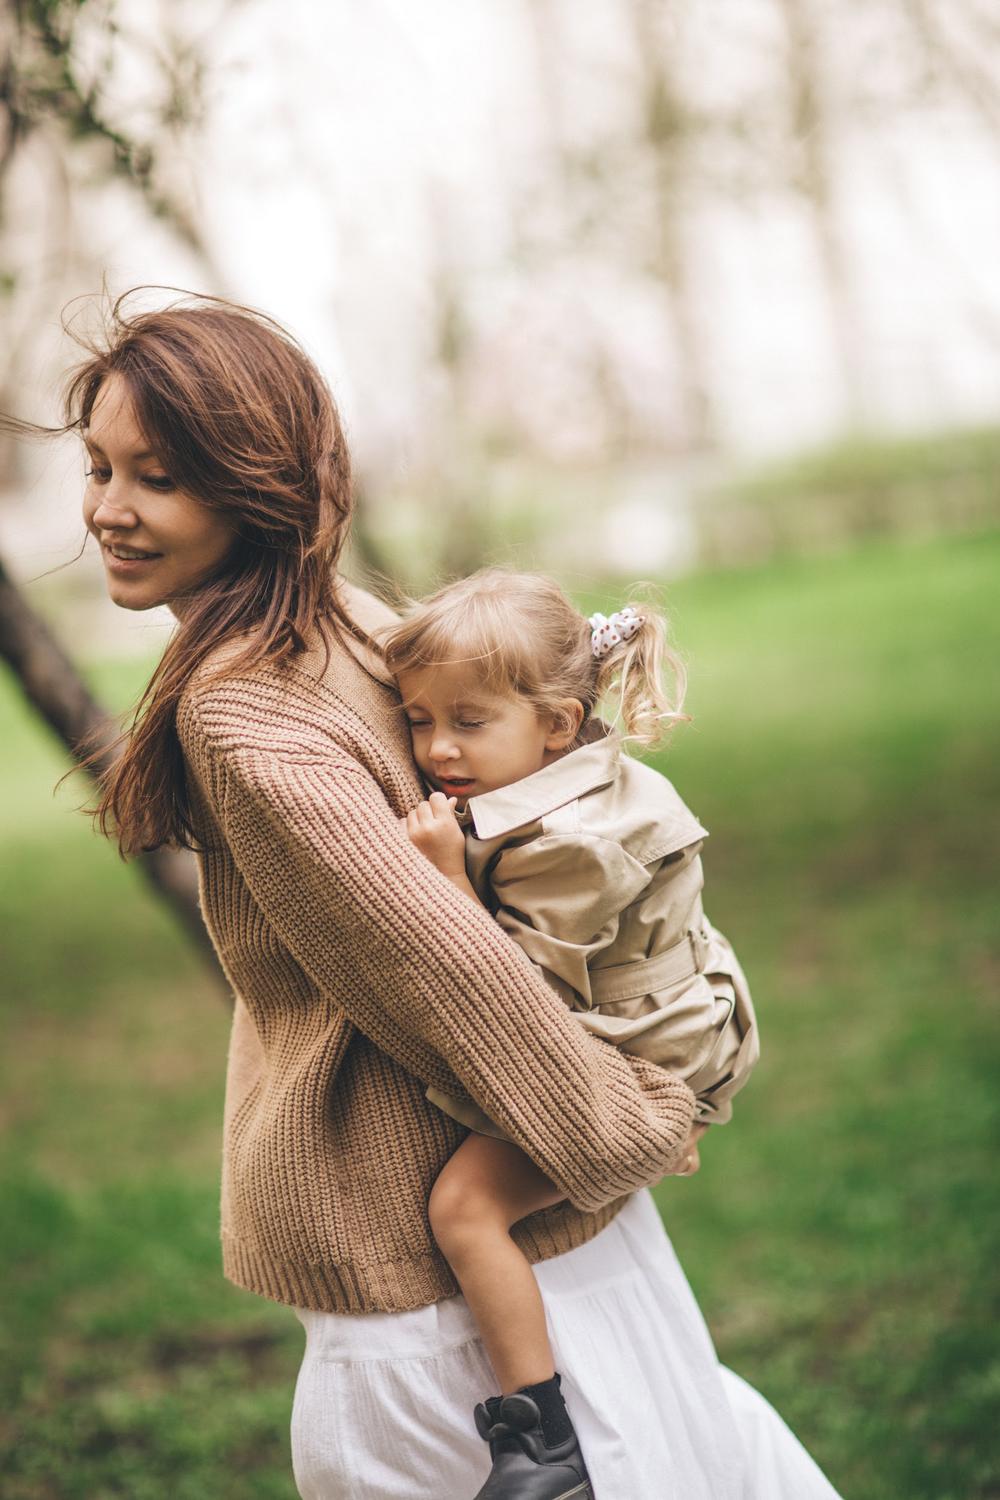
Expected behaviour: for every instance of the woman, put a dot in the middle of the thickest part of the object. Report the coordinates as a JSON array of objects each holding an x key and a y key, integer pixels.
[{"x": 271, "y": 741}]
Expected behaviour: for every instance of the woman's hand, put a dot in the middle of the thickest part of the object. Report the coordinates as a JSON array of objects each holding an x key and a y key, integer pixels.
[
  {"x": 689, "y": 1160},
  {"x": 432, "y": 828}
]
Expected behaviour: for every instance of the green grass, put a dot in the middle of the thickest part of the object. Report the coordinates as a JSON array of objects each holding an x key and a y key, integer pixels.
[{"x": 842, "y": 1235}]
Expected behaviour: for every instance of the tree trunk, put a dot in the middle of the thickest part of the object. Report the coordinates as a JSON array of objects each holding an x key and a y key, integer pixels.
[
  {"x": 53, "y": 686},
  {"x": 810, "y": 117},
  {"x": 667, "y": 128}
]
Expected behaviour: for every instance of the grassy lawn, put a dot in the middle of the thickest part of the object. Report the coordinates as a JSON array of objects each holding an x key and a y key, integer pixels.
[{"x": 842, "y": 1235}]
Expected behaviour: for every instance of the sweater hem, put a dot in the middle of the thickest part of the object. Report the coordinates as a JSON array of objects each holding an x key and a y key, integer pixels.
[{"x": 397, "y": 1285}]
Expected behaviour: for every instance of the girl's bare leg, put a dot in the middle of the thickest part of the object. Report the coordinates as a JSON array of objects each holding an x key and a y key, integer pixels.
[{"x": 484, "y": 1189}]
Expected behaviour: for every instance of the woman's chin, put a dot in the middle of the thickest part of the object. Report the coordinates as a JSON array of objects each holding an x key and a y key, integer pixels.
[{"x": 126, "y": 597}]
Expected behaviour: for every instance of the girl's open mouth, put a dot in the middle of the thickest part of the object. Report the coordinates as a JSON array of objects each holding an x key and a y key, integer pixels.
[{"x": 455, "y": 786}]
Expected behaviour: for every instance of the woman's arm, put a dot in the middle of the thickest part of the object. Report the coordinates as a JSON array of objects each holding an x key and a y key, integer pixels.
[{"x": 427, "y": 975}]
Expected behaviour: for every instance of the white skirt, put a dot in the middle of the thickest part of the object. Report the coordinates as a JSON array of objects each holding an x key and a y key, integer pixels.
[{"x": 383, "y": 1404}]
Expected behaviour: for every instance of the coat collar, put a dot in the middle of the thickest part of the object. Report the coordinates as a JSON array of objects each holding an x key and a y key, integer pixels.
[{"x": 499, "y": 812}]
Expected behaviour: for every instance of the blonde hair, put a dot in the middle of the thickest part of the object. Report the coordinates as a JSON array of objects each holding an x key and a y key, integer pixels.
[{"x": 527, "y": 639}]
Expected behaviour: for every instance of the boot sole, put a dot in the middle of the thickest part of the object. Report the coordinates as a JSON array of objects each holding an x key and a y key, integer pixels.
[{"x": 582, "y": 1490}]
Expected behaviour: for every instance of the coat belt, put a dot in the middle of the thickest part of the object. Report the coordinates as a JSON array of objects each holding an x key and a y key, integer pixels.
[{"x": 646, "y": 976}]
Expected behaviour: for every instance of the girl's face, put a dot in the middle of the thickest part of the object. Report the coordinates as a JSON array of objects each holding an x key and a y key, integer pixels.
[
  {"x": 467, "y": 741},
  {"x": 157, "y": 542}
]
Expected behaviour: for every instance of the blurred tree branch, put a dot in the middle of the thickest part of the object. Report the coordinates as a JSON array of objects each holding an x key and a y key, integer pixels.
[
  {"x": 809, "y": 110},
  {"x": 668, "y": 125},
  {"x": 973, "y": 69},
  {"x": 53, "y": 686},
  {"x": 45, "y": 85}
]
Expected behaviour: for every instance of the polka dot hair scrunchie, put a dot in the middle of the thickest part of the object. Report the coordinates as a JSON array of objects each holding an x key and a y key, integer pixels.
[{"x": 611, "y": 631}]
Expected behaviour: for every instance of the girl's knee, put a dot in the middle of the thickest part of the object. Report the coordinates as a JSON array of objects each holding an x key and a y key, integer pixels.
[
  {"x": 442, "y": 1203},
  {"x": 460, "y": 1210}
]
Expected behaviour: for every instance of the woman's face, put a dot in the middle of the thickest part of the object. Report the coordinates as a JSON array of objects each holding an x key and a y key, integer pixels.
[{"x": 157, "y": 542}]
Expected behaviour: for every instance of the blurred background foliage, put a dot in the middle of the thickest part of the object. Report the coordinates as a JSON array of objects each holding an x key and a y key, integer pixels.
[{"x": 698, "y": 294}]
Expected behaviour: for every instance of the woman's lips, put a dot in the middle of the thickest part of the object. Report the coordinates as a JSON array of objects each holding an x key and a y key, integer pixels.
[{"x": 126, "y": 566}]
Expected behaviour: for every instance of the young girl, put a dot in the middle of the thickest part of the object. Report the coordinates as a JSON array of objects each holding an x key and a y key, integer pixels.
[{"x": 590, "y": 860}]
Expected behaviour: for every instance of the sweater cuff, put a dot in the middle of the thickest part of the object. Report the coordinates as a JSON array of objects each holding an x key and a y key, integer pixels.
[{"x": 674, "y": 1108}]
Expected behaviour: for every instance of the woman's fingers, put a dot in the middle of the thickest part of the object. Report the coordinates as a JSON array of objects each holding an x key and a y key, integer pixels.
[
  {"x": 417, "y": 818},
  {"x": 691, "y": 1163},
  {"x": 691, "y": 1160}
]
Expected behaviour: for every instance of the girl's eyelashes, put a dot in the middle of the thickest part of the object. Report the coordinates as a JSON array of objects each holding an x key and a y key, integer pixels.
[
  {"x": 100, "y": 475},
  {"x": 459, "y": 723}
]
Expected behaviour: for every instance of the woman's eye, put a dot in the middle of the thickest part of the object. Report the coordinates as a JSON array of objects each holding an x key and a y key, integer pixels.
[
  {"x": 158, "y": 482},
  {"x": 100, "y": 476}
]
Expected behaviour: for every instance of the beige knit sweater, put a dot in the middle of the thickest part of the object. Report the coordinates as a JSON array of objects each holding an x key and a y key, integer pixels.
[{"x": 361, "y": 976}]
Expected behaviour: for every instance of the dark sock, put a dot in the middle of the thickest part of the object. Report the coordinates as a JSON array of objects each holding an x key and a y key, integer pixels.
[{"x": 556, "y": 1425}]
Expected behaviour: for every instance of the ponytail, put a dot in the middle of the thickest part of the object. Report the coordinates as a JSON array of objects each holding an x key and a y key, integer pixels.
[{"x": 631, "y": 660}]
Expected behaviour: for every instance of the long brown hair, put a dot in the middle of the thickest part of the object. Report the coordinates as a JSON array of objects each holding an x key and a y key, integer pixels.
[{"x": 243, "y": 421}]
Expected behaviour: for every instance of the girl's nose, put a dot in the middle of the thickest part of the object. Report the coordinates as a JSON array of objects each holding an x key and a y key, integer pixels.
[{"x": 443, "y": 749}]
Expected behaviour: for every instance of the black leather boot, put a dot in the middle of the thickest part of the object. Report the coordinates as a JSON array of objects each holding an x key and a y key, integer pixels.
[{"x": 524, "y": 1466}]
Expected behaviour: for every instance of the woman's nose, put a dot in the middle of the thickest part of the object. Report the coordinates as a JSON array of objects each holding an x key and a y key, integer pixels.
[{"x": 113, "y": 511}]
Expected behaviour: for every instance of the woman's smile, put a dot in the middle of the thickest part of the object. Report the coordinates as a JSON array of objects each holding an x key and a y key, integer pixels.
[{"x": 127, "y": 561}]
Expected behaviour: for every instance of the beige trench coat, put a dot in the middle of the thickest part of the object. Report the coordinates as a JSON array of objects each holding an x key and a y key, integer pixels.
[{"x": 593, "y": 866}]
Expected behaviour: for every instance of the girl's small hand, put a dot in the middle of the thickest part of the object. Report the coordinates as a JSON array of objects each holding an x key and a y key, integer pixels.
[{"x": 433, "y": 828}]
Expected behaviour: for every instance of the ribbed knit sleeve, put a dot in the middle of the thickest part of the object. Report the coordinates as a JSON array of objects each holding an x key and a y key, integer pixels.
[{"x": 427, "y": 975}]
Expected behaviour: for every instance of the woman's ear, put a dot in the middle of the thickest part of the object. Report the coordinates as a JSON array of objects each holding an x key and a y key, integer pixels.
[{"x": 565, "y": 719}]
